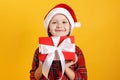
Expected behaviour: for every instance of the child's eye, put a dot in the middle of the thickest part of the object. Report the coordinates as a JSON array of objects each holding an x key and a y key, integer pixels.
[
  {"x": 64, "y": 22},
  {"x": 54, "y": 22}
]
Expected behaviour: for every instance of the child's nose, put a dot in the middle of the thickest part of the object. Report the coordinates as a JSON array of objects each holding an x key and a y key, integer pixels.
[{"x": 59, "y": 25}]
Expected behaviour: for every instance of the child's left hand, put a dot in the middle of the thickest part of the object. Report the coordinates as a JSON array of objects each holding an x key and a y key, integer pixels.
[
  {"x": 68, "y": 64},
  {"x": 69, "y": 72}
]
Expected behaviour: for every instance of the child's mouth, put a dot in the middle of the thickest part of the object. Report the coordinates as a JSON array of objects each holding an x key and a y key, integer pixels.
[{"x": 59, "y": 30}]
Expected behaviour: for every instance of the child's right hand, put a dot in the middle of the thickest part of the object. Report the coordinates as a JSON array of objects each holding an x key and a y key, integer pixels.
[{"x": 38, "y": 71}]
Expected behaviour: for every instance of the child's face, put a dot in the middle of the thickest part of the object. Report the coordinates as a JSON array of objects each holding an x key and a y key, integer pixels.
[{"x": 59, "y": 25}]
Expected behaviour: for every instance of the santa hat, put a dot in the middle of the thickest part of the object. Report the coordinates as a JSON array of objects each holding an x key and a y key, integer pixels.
[{"x": 65, "y": 10}]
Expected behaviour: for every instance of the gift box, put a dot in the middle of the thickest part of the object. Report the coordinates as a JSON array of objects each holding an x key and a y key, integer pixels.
[{"x": 68, "y": 55}]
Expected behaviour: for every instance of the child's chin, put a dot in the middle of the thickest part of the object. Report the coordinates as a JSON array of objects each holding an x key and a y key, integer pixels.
[
  {"x": 61, "y": 34},
  {"x": 58, "y": 35}
]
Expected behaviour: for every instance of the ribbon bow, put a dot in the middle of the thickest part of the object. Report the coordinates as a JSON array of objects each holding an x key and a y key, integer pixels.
[{"x": 66, "y": 45}]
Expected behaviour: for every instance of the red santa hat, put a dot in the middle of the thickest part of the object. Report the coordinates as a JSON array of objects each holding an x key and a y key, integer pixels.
[{"x": 65, "y": 10}]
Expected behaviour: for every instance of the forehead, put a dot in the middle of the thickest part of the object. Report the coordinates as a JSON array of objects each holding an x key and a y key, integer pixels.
[{"x": 59, "y": 16}]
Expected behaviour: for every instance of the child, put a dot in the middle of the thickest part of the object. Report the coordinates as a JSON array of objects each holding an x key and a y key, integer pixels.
[{"x": 60, "y": 21}]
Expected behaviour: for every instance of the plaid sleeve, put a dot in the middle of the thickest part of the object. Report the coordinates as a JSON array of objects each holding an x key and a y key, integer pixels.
[
  {"x": 80, "y": 67},
  {"x": 35, "y": 64}
]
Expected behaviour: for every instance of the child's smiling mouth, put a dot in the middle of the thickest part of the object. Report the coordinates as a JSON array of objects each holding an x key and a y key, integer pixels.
[{"x": 59, "y": 30}]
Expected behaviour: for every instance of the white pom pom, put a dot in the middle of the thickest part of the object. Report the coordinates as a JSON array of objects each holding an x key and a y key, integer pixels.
[{"x": 77, "y": 24}]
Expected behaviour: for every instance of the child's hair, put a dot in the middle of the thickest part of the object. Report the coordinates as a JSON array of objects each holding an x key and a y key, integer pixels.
[{"x": 66, "y": 11}]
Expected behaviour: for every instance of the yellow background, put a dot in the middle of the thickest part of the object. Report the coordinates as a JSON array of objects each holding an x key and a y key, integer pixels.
[{"x": 21, "y": 23}]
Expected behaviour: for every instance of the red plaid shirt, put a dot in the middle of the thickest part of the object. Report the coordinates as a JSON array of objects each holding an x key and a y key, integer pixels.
[{"x": 55, "y": 71}]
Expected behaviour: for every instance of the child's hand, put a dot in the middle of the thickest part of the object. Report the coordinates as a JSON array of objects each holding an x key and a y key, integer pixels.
[
  {"x": 69, "y": 72},
  {"x": 68, "y": 64},
  {"x": 38, "y": 71}
]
